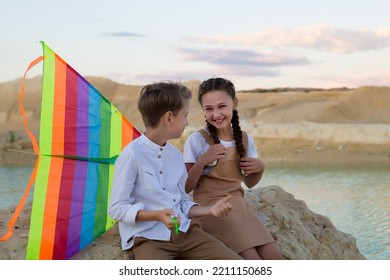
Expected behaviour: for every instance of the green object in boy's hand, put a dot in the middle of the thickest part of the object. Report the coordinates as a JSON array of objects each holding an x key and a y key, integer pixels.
[{"x": 176, "y": 225}]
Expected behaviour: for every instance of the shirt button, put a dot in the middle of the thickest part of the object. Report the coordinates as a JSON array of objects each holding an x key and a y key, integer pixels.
[
  {"x": 161, "y": 149},
  {"x": 174, "y": 200},
  {"x": 160, "y": 172},
  {"x": 164, "y": 189},
  {"x": 159, "y": 156}
]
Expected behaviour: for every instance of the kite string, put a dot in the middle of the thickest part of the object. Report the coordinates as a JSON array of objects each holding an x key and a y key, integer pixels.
[{"x": 34, "y": 142}]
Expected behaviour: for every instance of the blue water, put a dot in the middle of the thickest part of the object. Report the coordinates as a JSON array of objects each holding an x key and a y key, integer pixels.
[
  {"x": 13, "y": 183},
  {"x": 355, "y": 198}
]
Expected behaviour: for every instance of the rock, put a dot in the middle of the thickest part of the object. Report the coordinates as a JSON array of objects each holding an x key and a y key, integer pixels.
[{"x": 302, "y": 234}]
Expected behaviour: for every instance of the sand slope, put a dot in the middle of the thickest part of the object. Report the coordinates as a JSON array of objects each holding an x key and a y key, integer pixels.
[{"x": 288, "y": 124}]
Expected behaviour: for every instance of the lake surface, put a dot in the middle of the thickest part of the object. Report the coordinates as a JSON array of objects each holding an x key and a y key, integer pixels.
[
  {"x": 13, "y": 183},
  {"x": 355, "y": 198}
]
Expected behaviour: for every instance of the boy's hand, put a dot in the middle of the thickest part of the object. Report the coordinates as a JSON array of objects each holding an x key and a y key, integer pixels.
[
  {"x": 213, "y": 153},
  {"x": 221, "y": 208},
  {"x": 165, "y": 216},
  {"x": 251, "y": 165}
]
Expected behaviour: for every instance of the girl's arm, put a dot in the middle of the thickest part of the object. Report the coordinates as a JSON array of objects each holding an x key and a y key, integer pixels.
[
  {"x": 252, "y": 180},
  {"x": 194, "y": 170},
  {"x": 253, "y": 169}
]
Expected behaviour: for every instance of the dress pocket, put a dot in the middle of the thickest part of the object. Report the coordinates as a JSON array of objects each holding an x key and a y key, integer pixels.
[{"x": 230, "y": 169}]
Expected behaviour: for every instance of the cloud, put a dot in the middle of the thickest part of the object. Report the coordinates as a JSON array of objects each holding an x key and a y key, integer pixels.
[
  {"x": 350, "y": 80},
  {"x": 185, "y": 75},
  {"x": 179, "y": 75},
  {"x": 225, "y": 62},
  {"x": 320, "y": 37},
  {"x": 243, "y": 57},
  {"x": 122, "y": 34},
  {"x": 247, "y": 71}
]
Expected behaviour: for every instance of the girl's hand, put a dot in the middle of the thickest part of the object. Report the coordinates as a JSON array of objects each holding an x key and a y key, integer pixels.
[
  {"x": 251, "y": 165},
  {"x": 165, "y": 216},
  {"x": 221, "y": 208},
  {"x": 213, "y": 153}
]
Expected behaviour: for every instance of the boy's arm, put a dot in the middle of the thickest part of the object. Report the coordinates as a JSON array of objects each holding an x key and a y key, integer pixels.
[
  {"x": 220, "y": 209},
  {"x": 123, "y": 207},
  {"x": 144, "y": 215},
  {"x": 164, "y": 216}
]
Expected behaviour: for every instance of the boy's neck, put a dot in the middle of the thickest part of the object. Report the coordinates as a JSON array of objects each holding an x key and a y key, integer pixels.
[{"x": 156, "y": 136}]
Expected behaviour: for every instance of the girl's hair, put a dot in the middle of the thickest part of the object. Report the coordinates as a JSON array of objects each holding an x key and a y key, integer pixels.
[
  {"x": 214, "y": 84},
  {"x": 158, "y": 98}
]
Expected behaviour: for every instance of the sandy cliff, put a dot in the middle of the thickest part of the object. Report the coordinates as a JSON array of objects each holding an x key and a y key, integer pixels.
[{"x": 288, "y": 125}]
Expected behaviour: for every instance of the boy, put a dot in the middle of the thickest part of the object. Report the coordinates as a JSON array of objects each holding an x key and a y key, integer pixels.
[{"x": 148, "y": 197}]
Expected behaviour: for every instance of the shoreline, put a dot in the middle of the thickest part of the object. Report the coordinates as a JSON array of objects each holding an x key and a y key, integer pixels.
[{"x": 273, "y": 154}]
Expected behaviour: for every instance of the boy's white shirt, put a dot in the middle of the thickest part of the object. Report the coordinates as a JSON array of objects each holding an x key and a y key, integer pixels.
[{"x": 148, "y": 177}]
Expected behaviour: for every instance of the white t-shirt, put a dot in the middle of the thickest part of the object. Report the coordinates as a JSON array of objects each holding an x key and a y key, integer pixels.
[{"x": 196, "y": 145}]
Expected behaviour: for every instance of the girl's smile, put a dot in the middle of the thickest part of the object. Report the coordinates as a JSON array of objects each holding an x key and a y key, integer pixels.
[{"x": 218, "y": 107}]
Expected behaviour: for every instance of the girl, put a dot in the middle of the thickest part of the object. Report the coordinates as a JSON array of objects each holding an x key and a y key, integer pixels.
[{"x": 218, "y": 158}]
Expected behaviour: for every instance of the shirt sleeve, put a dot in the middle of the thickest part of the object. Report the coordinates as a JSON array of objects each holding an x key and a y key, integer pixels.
[
  {"x": 123, "y": 206},
  {"x": 186, "y": 204},
  {"x": 192, "y": 150},
  {"x": 252, "y": 150}
]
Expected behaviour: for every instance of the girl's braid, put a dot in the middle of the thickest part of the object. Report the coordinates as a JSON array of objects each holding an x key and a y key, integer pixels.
[
  {"x": 237, "y": 133},
  {"x": 213, "y": 132}
]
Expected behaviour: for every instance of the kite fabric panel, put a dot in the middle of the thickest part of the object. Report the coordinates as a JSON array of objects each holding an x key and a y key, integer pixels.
[{"x": 81, "y": 135}]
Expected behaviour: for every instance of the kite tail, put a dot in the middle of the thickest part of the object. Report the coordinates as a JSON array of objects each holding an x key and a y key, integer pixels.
[
  {"x": 32, "y": 137},
  {"x": 34, "y": 142},
  {"x": 19, "y": 208}
]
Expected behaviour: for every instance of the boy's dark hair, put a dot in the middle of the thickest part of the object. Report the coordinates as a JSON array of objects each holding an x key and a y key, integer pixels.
[
  {"x": 214, "y": 84},
  {"x": 158, "y": 98}
]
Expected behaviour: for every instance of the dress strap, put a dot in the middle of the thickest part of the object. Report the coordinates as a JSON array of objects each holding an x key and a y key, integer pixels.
[{"x": 206, "y": 136}]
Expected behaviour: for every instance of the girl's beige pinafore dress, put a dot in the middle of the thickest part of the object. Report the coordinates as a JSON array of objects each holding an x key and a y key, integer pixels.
[{"x": 241, "y": 229}]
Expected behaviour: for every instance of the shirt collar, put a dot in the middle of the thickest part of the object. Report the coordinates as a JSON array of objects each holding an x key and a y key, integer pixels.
[{"x": 150, "y": 143}]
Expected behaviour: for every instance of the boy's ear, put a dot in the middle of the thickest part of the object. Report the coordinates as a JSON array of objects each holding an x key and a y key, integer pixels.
[{"x": 168, "y": 118}]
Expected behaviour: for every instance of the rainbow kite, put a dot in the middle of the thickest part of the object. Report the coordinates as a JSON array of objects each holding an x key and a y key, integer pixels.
[{"x": 81, "y": 135}]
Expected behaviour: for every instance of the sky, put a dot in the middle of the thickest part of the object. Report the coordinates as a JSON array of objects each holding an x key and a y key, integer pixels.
[{"x": 254, "y": 43}]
